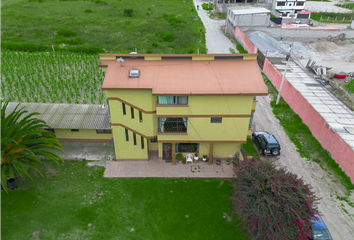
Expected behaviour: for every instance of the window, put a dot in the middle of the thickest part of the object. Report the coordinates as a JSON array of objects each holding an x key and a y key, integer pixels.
[
  {"x": 153, "y": 140},
  {"x": 103, "y": 131},
  {"x": 299, "y": 3},
  {"x": 132, "y": 111},
  {"x": 142, "y": 143},
  {"x": 215, "y": 120},
  {"x": 134, "y": 138},
  {"x": 187, "y": 147},
  {"x": 126, "y": 135},
  {"x": 140, "y": 116},
  {"x": 74, "y": 130},
  {"x": 251, "y": 120},
  {"x": 280, "y": 3},
  {"x": 123, "y": 106},
  {"x": 172, "y": 125},
  {"x": 50, "y": 130},
  {"x": 171, "y": 100}
]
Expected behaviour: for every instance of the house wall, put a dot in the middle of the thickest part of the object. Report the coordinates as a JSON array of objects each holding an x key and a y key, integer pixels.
[{"x": 86, "y": 135}]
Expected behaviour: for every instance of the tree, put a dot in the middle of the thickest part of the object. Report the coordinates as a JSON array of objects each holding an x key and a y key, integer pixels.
[
  {"x": 23, "y": 141},
  {"x": 272, "y": 202}
]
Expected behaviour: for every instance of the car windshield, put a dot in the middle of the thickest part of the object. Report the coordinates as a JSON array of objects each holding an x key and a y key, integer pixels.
[
  {"x": 321, "y": 234},
  {"x": 273, "y": 146}
]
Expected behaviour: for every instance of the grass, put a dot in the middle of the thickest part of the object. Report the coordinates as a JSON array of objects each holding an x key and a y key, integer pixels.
[
  {"x": 107, "y": 26},
  {"x": 346, "y": 5},
  {"x": 332, "y": 17},
  {"x": 250, "y": 150},
  {"x": 222, "y": 15},
  {"x": 307, "y": 145},
  {"x": 51, "y": 78},
  {"x": 73, "y": 201},
  {"x": 240, "y": 48}
]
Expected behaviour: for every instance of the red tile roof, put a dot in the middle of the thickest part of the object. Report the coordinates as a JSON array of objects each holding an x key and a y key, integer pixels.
[{"x": 185, "y": 76}]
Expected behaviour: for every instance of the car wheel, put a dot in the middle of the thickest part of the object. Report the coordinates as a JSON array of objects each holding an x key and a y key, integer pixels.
[
  {"x": 275, "y": 152},
  {"x": 261, "y": 151}
]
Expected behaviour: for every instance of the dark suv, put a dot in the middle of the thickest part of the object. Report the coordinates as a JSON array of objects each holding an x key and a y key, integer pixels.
[{"x": 267, "y": 144}]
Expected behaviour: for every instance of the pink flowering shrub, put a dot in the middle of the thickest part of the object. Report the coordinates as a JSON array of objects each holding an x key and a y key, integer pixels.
[{"x": 271, "y": 202}]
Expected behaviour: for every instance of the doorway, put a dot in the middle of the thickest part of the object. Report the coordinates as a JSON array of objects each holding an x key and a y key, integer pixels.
[{"x": 167, "y": 151}]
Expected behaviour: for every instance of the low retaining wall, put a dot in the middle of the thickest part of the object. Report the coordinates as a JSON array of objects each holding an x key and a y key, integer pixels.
[
  {"x": 328, "y": 138},
  {"x": 247, "y": 44}
]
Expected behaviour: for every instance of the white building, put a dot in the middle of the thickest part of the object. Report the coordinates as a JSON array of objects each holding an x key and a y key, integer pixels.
[
  {"x": 290, "y": 8},
  {"x": 248, "y": 16}
]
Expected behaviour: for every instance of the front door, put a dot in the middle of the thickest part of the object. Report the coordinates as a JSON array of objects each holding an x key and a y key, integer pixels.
[{"x": 167, "y": 151}]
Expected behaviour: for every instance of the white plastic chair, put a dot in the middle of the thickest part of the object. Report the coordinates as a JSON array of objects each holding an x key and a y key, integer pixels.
[{"x": 189, "y": 158}]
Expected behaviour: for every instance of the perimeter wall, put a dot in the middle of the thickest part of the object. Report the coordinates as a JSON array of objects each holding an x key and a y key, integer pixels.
[{"x": 328, "y": 138}]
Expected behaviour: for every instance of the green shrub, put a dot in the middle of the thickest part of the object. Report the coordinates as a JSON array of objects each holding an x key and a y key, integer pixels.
[
  {"x": 350, "y": 86},
  {"x": 148, "y": 51},
  {"x": 66, "y": 32},
  {"x": 75, "y": 41},
  {"x": 179, "y": 156},
  {"x": 205, "y": 6},
  {"x": 173, "y": 20},
  {"x": 154, "y": 44},
  {"x": 86, "y": 49},
  {"x": 167, "y": 37},
  {"x": 88, "y": 11},
  {"x": 128, "y": 12},
  {"x": 38, "y": 32},
  {"x": 25, "y": 47},
  {"x": 100, "y": 2},
  {"x": 240, "y": 48}
]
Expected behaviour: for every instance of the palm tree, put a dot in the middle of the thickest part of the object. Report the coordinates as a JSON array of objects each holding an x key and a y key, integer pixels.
[{"x": 23, "y": 140}]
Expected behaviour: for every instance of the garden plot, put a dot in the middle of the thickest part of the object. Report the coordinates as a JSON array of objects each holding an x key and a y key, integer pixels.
[{"x": 51, "y": 78}]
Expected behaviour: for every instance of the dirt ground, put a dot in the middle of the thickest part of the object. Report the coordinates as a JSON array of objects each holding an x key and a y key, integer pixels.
[{"x": 340, "y": 224}]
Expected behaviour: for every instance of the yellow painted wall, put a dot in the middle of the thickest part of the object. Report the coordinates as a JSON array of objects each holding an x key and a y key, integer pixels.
[
  {"x": 217, "y": 105},
  {"x": 141, "y": 98},
  {"x": 153, "y": 146},
  {"x": 254, "y": 105},
  {"x": 126, "y": 149},
  {"x": 82, "y": 134},
  {"x": 146, "y": 127},
  {"x": 160, "y": 149},
  {"x": 231, "y": 129},
  {"x": 224, "y": 150}
]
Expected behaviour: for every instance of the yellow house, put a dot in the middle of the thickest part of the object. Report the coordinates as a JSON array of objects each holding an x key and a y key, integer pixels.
[{"x": 180, "y": 103}]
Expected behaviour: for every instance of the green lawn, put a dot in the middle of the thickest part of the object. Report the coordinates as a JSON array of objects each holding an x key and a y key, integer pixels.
[
  {"x": 73, "y": 201},
  {"x": 104, "y": 24},
  {"x": 332, "y": 17}
]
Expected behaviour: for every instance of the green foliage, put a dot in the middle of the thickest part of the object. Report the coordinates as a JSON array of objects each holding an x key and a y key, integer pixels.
[
  {"x": 75, "y": 41},
  {"x": 128, "y": 12},
  {"x": 88, "y": 11},
  {"x": 36, "y": 77},
  {"x": 173, "y": 20},
  {"x": 346, "y": 5},
  {"x": 350, "y": 86},
  {"x": 205, "y": 6},
  {"x": 307, "y": 145},
  {"x": 119, "y": 35},
  {"x": 167, "y": 37},
  {"x": 332, "y": 17},
  {"x": 154, "y": 44},
  {"x": 23, "y": 142},
  {"x": 272, "y": 202},
  {"x": 222, "y": 15},
  {"x": 240, "y": 49},
  {"x": 179, "y": 156},
  {"x": 100, "y": 2},
  {"x": 64, "y": 32},
  {"x": 38, "y": 32}
]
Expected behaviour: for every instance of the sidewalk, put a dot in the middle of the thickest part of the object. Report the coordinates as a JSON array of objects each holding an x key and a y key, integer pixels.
[{"x": 158, "y": 168}]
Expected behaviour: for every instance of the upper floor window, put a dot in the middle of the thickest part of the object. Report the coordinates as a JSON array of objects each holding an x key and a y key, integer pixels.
[
  {"x": 50, "y": 130},
  {"x": 299, "y": 3},
  {"x": 74, "y": 130},
  {"x": 216, "y": 120},
  {"x": 171, "y": 125},
  {"x": 280, "y": 3},
  {"x": 103, "y": 131},
  {"x": 181, "y": 100}
]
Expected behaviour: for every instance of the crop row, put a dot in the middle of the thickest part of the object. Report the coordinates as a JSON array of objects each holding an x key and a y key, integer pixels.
[{"x": 51, "y": 78}]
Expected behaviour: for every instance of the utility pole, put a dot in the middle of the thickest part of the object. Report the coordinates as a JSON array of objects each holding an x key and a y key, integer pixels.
[{"x": 286, "y": 68}]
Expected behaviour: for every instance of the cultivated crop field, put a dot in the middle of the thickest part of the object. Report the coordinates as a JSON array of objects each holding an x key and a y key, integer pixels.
[{"x": 51, "y": 78}]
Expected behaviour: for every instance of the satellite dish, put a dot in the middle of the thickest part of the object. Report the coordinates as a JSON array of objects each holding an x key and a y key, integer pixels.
[
  {"x": 120, "y": 60},
  {"x": 133, "y": 53}
]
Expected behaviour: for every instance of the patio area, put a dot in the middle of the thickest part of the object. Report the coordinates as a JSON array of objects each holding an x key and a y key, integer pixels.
[{"x": 159, "y": 168}]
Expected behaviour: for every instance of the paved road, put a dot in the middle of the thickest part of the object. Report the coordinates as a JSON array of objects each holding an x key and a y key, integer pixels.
[
  {"x": 339, "y": 224},
  {"x": 216, "y": 41},
  {"x": 314, "y": 6}
]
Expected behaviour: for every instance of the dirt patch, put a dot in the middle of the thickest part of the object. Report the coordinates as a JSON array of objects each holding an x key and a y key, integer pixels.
[
  {"x": 36, "y": 234},
  {"x": 50, "y": 172}
]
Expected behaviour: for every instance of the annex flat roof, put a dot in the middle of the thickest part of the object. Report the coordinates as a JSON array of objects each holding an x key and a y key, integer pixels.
[
  {"x": 67, "y": 116},
  {"x": 178, "y": 75},
  {"x": 242, "y": 10}
]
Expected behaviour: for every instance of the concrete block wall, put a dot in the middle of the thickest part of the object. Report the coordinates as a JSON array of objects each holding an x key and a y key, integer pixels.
[{"x": 328, "y": 138}]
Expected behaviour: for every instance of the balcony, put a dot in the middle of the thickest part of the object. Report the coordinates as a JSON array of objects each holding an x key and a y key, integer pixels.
[{"x": 172, "y": 125}]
